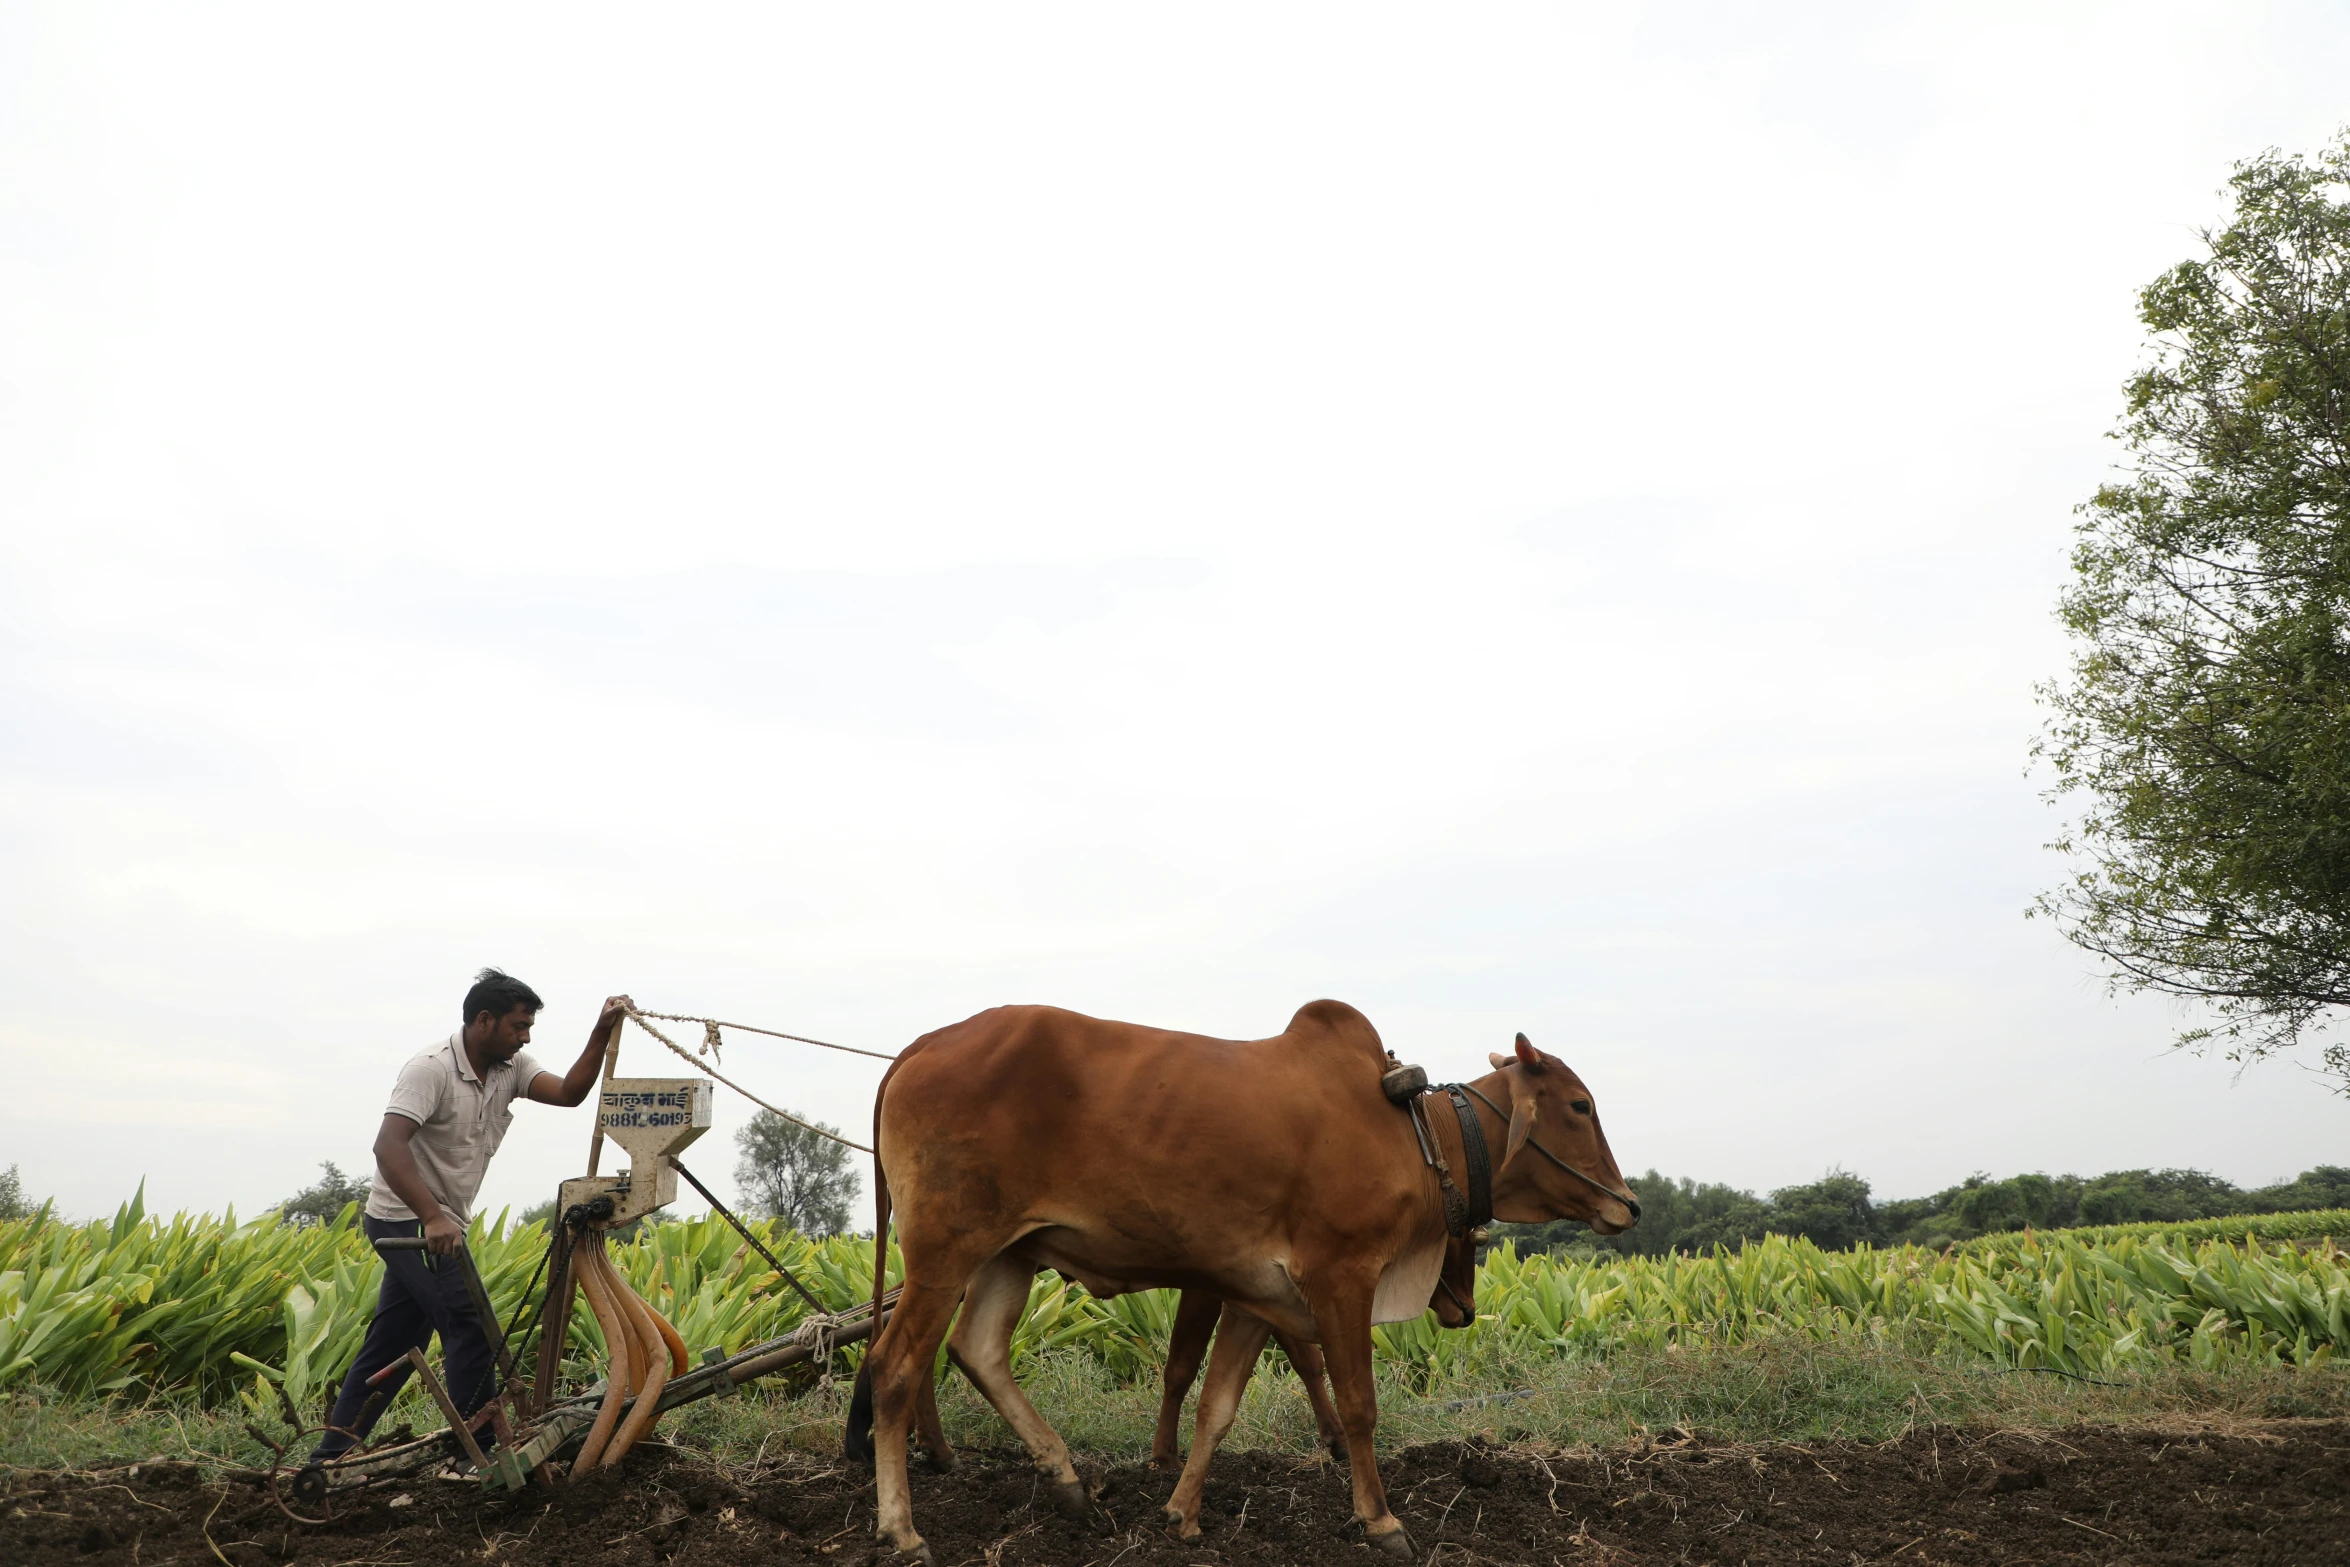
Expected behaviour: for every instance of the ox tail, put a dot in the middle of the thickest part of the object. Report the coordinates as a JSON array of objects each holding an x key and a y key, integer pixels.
[{"x": 857, "y": 1439}]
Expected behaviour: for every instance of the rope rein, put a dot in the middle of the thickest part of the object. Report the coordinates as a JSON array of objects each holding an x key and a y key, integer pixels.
[
  {"x": 710, "y": 1038},
  {"x": 711, "y": 1025}
]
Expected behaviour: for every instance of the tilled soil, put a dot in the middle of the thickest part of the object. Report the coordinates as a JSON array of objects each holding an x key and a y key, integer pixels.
[{"x": 2280, "y": 1494}]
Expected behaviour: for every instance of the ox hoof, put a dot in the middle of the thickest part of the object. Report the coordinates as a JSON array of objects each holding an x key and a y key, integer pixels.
[
  {"x": 1166, "y": 1463},
  {"x": 1069, "y": 1499},
  {"x": 887, "y": 1555},
  {"x": 943, "y": 1461},
  {"x": 1179, "y": 1526},
  {"x": 1397, "y": 1543}
]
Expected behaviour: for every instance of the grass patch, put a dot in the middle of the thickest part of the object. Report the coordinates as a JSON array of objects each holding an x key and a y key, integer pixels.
[
  {"x": 1772, "y": 1390},
  {"x": 41, "y": 1429}
]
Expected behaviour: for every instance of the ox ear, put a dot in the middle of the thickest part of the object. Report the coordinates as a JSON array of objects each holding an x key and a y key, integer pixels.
[
  {"x": 1521, "y": 1119},
  {"x": 1528, "y": 1057},
  {"x": 1500, "y": 1061}
]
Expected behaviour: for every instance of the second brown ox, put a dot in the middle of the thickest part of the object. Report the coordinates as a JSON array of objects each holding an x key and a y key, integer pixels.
[
  {"x": 1197, "y": 1314},
  {"x": 1269, "y": 1172}
]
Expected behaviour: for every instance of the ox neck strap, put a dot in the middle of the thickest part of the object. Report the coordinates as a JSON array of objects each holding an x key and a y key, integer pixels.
[
  {"x": 1476, "y": 1157},
  {"x": 1474, "y": 1211}
]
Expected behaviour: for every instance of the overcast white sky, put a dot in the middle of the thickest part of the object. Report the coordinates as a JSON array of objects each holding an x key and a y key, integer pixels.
[{"x": 1517, "y": 518}]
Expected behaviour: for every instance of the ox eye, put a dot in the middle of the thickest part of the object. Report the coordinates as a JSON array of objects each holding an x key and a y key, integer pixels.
[{"x": 1580, "y": 1106}]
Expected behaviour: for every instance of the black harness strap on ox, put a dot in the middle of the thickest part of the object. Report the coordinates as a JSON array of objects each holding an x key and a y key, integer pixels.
[
  {"x": 1463, "y": 1216},
  {"x": 1473, "y": 1211},
  {"x": 1456, "y": 1206},
  {"x": 1475, "y": 1155}
]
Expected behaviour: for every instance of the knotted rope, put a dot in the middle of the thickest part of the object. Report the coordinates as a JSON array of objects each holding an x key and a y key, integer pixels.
[
  {"x": 710, "y": 1040},
  {"x": 817, "y": 1334}
]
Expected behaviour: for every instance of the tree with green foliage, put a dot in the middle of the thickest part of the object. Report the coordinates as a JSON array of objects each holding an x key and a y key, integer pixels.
[
  {"x": 794, "y": 1172},
  {"x": 13, "y": 1203},
  {"x": 1833, "y": 1212},
  {"x": 1671, "y": 1214},
  {"x": 1694, "y": 1216},
  {"x": 2135, "y": 1196},
  {"x": 324, "y": 1198},
  {"x": 1729, "y": 1219},
  {"x": 2327, "y": 1186},
  {"x": 2206, "y": 718},
  {"x": 2021, "y": 1202}
]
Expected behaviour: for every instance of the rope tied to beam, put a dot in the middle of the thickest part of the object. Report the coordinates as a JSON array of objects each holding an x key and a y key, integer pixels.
[
  {"x": 709, "y": 1037},
  {"x": 817, "y": 1333}
]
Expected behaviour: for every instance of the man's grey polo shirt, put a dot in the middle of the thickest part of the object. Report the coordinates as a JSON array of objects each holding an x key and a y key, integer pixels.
[{"x": 460, "y": 1121}]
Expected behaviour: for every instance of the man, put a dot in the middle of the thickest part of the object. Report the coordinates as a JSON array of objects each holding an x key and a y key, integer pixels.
[{"x": 448, "y": 1114}]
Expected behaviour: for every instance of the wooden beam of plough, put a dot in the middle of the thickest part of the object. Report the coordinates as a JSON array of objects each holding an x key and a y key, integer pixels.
[{"x": 566, "y": 1421}]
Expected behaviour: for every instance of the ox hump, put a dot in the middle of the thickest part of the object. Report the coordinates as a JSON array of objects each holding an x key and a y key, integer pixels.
[{"x": 1335, "y": 1020}]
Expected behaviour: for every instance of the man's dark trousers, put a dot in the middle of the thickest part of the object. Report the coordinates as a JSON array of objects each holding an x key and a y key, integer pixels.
[{"x": 422, "y": 1295}]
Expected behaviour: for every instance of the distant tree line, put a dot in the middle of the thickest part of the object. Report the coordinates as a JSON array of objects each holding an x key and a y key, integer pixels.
[{"x": 1838, "y": 1210}]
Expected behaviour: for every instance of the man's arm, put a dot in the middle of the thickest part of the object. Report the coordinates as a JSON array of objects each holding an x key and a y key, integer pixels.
[
  {"x": 397, "y": 1161},
  {"x": 573, "y": 1086}
]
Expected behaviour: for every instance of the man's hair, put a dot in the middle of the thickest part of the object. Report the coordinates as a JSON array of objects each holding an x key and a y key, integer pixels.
[{"x": 498, "y": 993}]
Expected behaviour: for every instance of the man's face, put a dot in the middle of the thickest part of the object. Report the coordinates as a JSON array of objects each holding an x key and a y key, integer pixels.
[{"x": 508, "y": 1034}]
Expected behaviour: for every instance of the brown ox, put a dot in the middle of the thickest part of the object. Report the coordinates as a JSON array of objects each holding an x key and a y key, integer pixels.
[
  {"x": 1271, "y": 1173},
  {"x": 1196, "y": 1316}
]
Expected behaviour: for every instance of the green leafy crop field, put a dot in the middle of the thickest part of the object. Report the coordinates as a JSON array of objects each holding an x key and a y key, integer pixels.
[
  {"x": 208, "y": 1309},
  {"x": 2326, "y": 1226}
]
